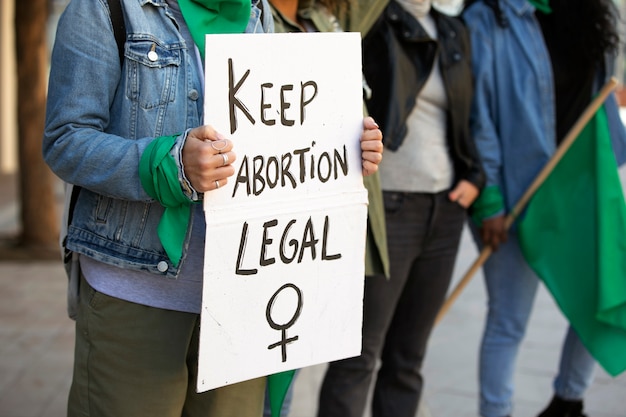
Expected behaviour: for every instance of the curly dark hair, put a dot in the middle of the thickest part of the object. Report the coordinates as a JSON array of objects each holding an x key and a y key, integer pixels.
[{"x": 588, "y": 28}]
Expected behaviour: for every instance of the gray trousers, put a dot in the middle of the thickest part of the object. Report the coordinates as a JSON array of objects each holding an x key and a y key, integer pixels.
[{"x": 423, "y": 232}]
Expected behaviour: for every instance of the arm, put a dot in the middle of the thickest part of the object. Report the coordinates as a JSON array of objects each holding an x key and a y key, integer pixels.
[
  {"x": 86, "y": 83},
  {"x": 488, "y": 209},
  {"x": 84, "y": 78}
]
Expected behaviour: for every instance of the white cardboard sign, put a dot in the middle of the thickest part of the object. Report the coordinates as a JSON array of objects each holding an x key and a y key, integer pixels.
[{"x": 284, "y": 256}]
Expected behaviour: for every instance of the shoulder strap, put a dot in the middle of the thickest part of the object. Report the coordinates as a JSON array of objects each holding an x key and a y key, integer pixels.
[{"x": 119, "y": 28}]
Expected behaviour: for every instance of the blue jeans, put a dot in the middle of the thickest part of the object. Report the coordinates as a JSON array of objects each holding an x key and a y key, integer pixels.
[{"x": 511, "y": 288}]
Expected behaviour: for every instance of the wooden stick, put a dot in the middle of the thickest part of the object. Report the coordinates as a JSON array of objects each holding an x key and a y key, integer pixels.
[{"x": 571, "y": 136}]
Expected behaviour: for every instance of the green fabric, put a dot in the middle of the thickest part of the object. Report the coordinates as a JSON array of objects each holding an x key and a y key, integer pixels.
[
  {"x": 159, "y": 177},
  {"x": 542, "y": 5},
  {"x": 360, "y": 15},
  {"x": 574, "y": 237},
  {"x": 376, "y": 253},
  {"x": 214, "y": 16},
  {"x": 277, "y": 386},
  {"x": 489, "y": 203}
]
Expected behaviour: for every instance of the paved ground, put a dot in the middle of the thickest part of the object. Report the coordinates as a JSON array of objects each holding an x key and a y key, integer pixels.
[{"x": 36, "y": 344}]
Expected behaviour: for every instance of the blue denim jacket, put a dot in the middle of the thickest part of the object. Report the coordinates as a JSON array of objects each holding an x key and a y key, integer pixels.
[
  {"x": 513, "y": 115},
  {"x": 101, "y": 116}
]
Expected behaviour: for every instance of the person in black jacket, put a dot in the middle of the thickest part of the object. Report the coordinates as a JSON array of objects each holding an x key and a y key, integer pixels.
[{"x": 417, "y": 62}]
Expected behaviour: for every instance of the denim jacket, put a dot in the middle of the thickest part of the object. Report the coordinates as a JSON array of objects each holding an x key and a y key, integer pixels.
[
  {"x": 513, "y": 111},
  {"x": 102, "y": 115}
]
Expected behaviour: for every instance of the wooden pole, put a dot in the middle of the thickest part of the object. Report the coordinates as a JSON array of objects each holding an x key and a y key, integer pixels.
[{"x": 571, "y": 136}]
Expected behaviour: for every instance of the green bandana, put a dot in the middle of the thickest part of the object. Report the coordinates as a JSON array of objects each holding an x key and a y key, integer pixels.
[
  {"x": 489, "y": 203},
  {"x": 542, "y": 5},
  {"x": 159, "y": 177},
  {"x": 214, "y": 16}
]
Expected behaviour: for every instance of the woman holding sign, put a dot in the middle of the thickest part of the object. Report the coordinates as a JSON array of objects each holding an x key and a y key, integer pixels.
[
  {"x": 417, "y": 62},
  {"x": 124, "y": 126}
]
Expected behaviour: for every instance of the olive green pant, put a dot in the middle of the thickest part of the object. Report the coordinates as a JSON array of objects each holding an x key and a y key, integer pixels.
[{"x": 137, "y": 361}]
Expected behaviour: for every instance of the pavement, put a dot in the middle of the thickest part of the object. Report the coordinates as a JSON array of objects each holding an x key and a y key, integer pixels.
[{"x": 36, "y": 345}]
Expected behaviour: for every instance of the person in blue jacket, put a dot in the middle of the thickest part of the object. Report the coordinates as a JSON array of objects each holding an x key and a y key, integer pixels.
[{"x": 536, "y": 65}]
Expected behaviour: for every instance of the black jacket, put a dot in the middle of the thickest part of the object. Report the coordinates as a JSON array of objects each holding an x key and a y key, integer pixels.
[{"x": 398, "y": 56}]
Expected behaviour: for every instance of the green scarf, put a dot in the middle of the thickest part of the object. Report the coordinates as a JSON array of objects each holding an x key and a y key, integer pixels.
[
  {"x": 542, "y": 5},
  {"x": 488, "y": 204},
  {"x": 214, "y": 16},
  {"x": 158, "y": 173}
]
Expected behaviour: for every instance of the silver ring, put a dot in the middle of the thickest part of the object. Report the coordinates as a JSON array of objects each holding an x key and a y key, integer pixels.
[
  {"x": 217, "y": 184},
  {"x": 225, "y": 158}
]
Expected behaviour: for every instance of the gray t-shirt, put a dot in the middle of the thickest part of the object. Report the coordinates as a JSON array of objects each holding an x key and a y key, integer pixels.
[{"x": 423, "y": 163}]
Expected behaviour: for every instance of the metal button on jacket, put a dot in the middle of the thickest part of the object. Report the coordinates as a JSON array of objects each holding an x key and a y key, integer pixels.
[
  {"x": 152, "y": 55},
  {"x": 162, "y": 266}
]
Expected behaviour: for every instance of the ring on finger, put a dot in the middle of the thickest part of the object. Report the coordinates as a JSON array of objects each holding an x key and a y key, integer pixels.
[
  {"x": 219, "y": 145},
  {"x": 224, "y": 158},
  {"x": 217, "y": 184}
]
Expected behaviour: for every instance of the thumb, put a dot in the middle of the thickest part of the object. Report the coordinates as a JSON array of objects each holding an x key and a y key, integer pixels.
[{"x": 455, "y": 194}]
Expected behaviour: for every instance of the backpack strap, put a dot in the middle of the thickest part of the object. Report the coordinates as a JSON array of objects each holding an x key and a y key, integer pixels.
[{"x": 119, "y": 28}]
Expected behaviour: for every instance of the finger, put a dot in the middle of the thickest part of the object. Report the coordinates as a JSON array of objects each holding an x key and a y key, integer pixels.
[
  {"x": 373, "y": 157},
  {"x": 217, "y": 184},
  {"x": 369, "y": 168},
  {"x": 462, "y": 201},
  {"x": 483, "y": 235},
  {"x": 205, "y": 132},
  {"x": 210, "y": 183},
  {"x": 373, "y": 135},
  {"x": 490, "y": 238},
  {"x": 455, "y": 195},
  {"x": 495, "y": 242},
  {"x": 504, "y": 236},
  {"x": 221, "y": 145},
  {"x": 224, "y": 159},
  {"x": 370, "y": 123},
  {"x": 372, "y": 148}
]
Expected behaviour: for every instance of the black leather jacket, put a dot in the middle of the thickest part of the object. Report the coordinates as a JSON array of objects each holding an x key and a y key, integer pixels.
[{"x": 398, "y": 56}]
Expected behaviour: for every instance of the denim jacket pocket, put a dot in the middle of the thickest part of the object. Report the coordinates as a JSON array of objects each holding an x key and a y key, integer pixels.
[{"x": 152, "y": 70}]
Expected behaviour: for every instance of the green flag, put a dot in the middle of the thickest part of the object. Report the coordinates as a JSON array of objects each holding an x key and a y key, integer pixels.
[
  {"x": 573, "y": 235},
  {"x": 277, "y": 386}
]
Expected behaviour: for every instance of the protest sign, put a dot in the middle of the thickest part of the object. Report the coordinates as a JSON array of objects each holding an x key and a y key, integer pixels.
[{"x": 285, "y": 240}]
